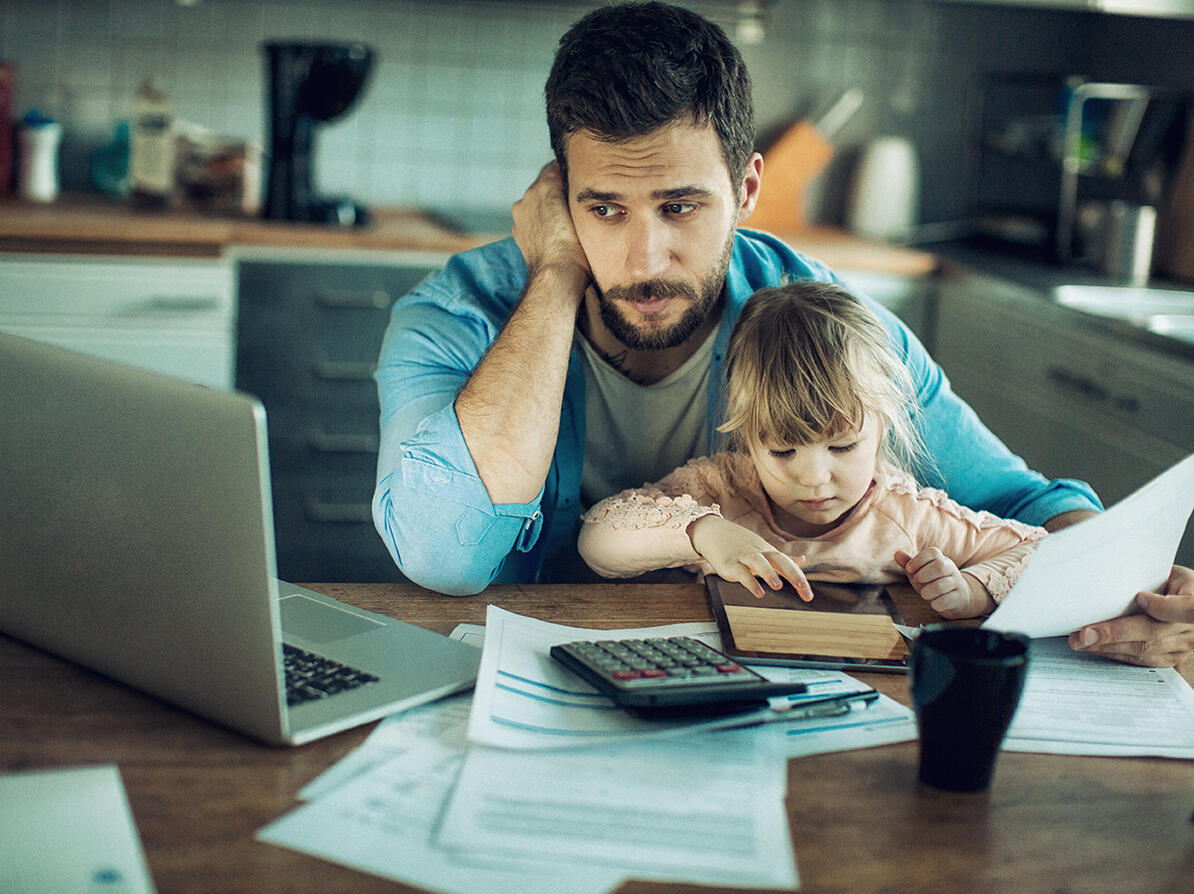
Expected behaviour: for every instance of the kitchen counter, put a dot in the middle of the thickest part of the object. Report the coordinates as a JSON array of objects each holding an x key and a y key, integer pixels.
[
  {"x": 841, "y": 250},
  {"x": 92, "y": 224}
]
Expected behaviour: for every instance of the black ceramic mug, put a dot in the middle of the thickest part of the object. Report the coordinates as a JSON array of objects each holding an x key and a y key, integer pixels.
[{"x": 966, "y": 683}]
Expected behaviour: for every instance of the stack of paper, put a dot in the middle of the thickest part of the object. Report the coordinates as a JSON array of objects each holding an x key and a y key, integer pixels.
[{"x": 551, "y": 790}]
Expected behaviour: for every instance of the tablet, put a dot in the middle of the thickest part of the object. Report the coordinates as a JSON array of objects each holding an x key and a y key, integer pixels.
[{"x": 845, "y": 627}]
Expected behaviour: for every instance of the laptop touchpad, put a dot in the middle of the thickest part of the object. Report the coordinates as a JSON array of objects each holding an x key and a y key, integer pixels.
[{"x": 320, "y": 622}]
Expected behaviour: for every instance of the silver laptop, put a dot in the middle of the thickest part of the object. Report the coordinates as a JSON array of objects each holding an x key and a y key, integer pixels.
[{"x": 136, "y": 538}]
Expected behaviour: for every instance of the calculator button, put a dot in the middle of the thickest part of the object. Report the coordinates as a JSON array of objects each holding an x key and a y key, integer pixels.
[{"x": 626, "y": 674}]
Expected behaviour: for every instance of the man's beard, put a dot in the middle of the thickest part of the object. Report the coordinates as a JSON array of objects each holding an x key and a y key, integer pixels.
[{"x": 653, "y": 338}]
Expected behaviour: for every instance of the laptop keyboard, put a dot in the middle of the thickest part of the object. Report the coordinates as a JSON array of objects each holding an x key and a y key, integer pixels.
[{"x": 310, "y": 676}]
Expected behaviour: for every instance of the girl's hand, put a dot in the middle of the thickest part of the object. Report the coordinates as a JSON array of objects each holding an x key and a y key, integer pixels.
[
  {"x": 741, "y": 555},
  {"x": 950, "y": 592}
]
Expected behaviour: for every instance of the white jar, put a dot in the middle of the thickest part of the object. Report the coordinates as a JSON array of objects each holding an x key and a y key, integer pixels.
[
  {"x": 37, "y": 176},
  {"x": 884, "y": 200}
]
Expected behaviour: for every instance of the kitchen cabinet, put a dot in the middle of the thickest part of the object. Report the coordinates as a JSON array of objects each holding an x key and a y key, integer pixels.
[
  {"x": 169, "y": 315},
  {"x": 309, "y": 334},
  {"x": 1072, "y": 400}
]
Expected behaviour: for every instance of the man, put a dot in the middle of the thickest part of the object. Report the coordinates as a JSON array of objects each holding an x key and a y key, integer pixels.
[{"x": 538, "y": 374}]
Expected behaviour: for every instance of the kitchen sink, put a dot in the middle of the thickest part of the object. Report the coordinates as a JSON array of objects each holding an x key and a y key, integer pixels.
[{"x": 1164, "y": 311}]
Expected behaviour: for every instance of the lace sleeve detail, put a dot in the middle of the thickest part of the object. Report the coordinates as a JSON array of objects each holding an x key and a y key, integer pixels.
[
  {"x": 1000, "y": 573},
  {"x": 993, "y": 550},
  {"x": 636, "y": 509}
]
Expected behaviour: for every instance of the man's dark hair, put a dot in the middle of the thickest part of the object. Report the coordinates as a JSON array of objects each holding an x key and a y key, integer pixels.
[{"x": 624, "y": 71}]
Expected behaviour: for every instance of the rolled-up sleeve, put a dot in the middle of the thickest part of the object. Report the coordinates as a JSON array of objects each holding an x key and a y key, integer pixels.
[{"x": 435, "y": 516}]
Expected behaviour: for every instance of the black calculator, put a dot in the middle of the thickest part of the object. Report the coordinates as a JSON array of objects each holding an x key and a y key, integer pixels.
[{"x": 669, "y": 676}]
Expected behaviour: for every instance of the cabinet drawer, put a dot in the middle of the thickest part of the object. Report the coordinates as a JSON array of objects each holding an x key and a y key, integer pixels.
[
  {"x": 173, "y": 316},
  {"x": 309, "y": 334},
  {"x": 199, "y": 356},
  {"x": 302, "y": 443},
  {"x": 1045, "y": 356},
  {"x": 119, "y": 292},
  {"x": 324, "y": 531}
]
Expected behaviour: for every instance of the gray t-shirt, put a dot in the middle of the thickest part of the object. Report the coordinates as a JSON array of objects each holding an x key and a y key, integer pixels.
[{"x": 634, "y": 433}]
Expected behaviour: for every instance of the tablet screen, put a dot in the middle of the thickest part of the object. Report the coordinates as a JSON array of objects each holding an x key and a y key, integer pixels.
[{"x": 846, "y": 626}]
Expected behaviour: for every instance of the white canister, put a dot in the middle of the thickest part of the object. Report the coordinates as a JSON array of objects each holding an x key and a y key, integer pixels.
[
  {"x": 37, "y": 143},
  {"x": 1128, "y": 232},
  {"x": 884, "y": 198}
]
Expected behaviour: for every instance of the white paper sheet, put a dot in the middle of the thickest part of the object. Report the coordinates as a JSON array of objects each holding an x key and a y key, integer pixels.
[
  {"x": 1076, "y": 703},
  {"x": 443, "y": 722},
  {"x": 69, "y": 830},
  {"x": 383, "y": 822},
  {"x": 702, "y": 809},
  {"x": 1093, "y": 570}
]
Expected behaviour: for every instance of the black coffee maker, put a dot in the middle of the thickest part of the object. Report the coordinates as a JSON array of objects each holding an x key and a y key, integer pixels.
[{"x": 309, "y": 83}]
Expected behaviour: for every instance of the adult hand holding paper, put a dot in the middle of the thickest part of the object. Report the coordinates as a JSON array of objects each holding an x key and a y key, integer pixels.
[
  {"x": 1092, "y": 571},
  {"x": 1161, "y": 636}
]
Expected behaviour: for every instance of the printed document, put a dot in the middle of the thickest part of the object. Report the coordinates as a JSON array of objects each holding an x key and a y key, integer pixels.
[
  {"x": 442, "y": 723},
  {"x": 704, "y": 809},
  {"x": 1075, "y": 703},
  {"x": 1093, "y": 570},
  {"x": 383, "y": 822}
]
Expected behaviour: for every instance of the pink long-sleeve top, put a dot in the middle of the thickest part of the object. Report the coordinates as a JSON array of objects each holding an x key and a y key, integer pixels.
[{"x": 646, "y": 528}]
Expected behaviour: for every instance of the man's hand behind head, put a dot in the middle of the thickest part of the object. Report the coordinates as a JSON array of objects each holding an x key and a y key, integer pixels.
[{"x": 544, "y": 232}]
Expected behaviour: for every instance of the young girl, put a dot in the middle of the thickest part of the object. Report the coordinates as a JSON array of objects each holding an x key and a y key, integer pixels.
[{"x": 819, "y": 418}]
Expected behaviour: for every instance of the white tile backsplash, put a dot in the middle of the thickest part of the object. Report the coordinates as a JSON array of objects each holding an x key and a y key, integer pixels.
[{"x": 453, "y": 114}]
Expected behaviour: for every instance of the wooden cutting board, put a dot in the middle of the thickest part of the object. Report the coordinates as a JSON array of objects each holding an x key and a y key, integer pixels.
[{"x": 799, "y": 155}]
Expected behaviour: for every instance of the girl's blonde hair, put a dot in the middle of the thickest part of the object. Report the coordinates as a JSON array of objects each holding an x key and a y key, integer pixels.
[{"x": 807, "y": 361}]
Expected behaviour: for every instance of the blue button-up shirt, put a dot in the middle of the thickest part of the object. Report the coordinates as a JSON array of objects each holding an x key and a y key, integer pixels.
[{"x": 433, "y": 511}]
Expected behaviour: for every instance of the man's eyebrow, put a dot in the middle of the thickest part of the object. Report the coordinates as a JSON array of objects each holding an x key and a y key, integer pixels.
[
  {"x": 672, "y": 194},
  {"x": 682, "y": 192},
  {"x": 592, "y": 195}
]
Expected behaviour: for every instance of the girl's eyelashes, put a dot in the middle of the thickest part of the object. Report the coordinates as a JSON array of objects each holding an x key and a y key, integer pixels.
[
  {"x": 780, "y": 454},
  {"x": 842, "y": 448}
]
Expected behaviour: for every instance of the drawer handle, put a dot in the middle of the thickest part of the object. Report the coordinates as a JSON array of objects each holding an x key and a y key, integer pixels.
[
  {"x": 343, "y": 443},
  {"x": 337, "y": 513},
  {"x": 343, "y": 370},
  {"x": 187, "y": 303},
  {"x": 359, "y": 299},
  {"x": 1078, "y": 383}
]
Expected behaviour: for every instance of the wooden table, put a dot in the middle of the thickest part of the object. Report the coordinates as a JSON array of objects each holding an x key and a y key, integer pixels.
[{"x": 859, "y": 819}]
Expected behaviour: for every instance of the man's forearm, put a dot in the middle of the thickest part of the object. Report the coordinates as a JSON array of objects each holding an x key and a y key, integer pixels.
[{"x": 509, "y": 411}]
